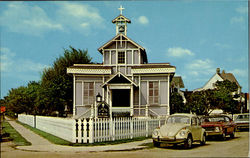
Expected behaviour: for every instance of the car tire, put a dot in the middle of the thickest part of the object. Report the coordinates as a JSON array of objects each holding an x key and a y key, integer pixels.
[
  {"x": 232, "y": 135},
  {"x": 188, "y": 143},
  {"x": 223, "y": 136},
  {"x": 156, "y": 144},
  {"x": 203, "y": 141}
]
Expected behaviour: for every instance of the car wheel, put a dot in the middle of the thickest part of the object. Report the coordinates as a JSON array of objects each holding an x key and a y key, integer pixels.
[
  {"x": 223, "y": 136},
  {"x": 232, "y": 134},
  {"x": 203, "y": 141},
  {"x": 188, "y": 143},
  {"x": 156, "y": 144}
]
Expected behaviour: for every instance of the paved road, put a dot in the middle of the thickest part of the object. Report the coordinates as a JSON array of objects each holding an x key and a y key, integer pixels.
[{"x": 237, "y": 147}]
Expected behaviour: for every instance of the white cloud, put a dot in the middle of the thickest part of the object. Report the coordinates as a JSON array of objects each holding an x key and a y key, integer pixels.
[
  {"x": 11, "y": 65},
  {"x": 143, "y": 20},
  {"x": 198, "y": 67},
  {"x": 6, "y": 59},
  {"x": 179, "y": 52},
  {"x": 221, "y": 45},
  {"x": 242, "y": 10},
  {"x": 33, "y": 20},
  {"x": 239, "y": 72},
  {"x": 237, "y": 19},
  {"x": 23, "y": 18},
  {"x": 79, "y": 17}
]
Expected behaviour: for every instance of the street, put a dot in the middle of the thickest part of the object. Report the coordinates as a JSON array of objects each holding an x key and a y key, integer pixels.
[{"x": 237, "y": 147}]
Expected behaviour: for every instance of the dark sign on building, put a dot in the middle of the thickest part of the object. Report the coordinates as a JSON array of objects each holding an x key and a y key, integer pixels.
[{"x": 103, "y": 110}]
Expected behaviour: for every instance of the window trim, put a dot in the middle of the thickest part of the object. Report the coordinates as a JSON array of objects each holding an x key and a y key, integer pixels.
[
  {"x": 123, "y": 58},
  {"x": 153, "y": 96}
]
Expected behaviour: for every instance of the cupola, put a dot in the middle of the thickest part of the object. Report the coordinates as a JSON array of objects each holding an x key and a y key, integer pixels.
[{"x": 121, "y": 23}]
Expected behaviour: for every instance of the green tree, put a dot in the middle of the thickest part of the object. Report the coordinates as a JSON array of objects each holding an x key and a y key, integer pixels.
[
  {"x": 225, "y": 97},
  {"x": 176, "y": 103},
  {"x": 200, "y": 102},
  {"x": 17, "y": 100},
  {"x": 57, "y": 85}
]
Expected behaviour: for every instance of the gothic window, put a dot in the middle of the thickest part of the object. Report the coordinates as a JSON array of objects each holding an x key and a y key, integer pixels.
[
  {"x": 88, "y": 97},
  {"x": 154, "y": 92},
  {"x": 121, "y": 57}
]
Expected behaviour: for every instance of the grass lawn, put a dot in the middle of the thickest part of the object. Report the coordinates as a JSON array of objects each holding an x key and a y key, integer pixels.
[
  {"x": 14, "y": 135},
  {"x": 59, "y": 141}
]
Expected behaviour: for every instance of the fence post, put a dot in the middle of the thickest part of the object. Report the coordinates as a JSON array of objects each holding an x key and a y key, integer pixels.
[
  {"x": 147, "y": 127},
  {"x": 131, "y": 120},
  {"x": 85, "y": 130},
  {"x": 74, "y": 131},
  {"x": 113, "y": 128},
  {"x": 91, "y": 132}
]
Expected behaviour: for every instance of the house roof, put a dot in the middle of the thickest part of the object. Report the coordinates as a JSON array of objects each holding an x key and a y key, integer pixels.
[
  {"x": 153, "y": 65},
  {"x": 119, "y": 74},
  {"x": 229, "y": 76},
  {"x": 116, "y": 37},
  {"x": 121, "y": 18},
  {"x": 122, "y": 36},
  {"x": 90, "y": 66},
  {"x": 177, "y": 80}
]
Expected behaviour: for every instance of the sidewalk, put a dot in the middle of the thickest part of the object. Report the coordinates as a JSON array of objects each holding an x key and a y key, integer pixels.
[{"x": 41, "y": 144}]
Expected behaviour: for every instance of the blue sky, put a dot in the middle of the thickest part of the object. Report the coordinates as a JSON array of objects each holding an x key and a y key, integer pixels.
[{"x": 195, "y": 36}]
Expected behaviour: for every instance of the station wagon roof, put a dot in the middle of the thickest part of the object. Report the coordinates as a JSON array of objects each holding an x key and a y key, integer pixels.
[{"x": 184, "y": 114}]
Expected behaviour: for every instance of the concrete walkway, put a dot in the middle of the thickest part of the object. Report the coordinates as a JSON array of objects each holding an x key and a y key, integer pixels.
[{"x": 41, "y": 144}]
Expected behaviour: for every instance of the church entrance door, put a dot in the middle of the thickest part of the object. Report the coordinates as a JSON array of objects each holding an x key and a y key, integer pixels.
[{"x": 121, "y": 97}]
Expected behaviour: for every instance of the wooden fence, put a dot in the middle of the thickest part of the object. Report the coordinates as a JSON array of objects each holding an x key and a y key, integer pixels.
[
  {"x": 100, "y": 130},
  {"x": 91, "y": 130}
]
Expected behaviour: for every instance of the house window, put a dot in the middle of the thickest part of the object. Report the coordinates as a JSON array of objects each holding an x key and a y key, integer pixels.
[
  {"x": 121, "y": 57},
  {"x": 88, "y": 97},
  {"x": 154, "y": 92}
]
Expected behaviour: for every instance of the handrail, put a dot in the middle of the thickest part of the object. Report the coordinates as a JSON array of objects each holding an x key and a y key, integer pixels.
[{"x": 82, "y": 115}]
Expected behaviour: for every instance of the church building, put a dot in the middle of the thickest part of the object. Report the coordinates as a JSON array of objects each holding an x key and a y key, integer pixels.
[{"x": 125, "y": 81}]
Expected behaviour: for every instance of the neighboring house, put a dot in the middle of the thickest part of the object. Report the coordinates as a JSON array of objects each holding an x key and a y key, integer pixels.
[
  {"x": 125, "y": 80},
  {"x": 220, "y": 76},
  {"x": 176, "y": 85}
]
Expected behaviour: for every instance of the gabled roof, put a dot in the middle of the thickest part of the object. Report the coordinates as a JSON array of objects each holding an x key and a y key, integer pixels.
[
  {"x": 117, "y": 37},
  {"x": 119, "y": 75},
  {"x": 121, "y": 18},
  {"x": 229, "y": 76},
  {"x": 177, "y": 80}
]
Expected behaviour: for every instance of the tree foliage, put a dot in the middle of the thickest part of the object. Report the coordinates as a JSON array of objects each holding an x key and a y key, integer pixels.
[
  {"x": 176, "y": 104},
  {"x": 53, "y": 92},
  {"x": 202, "y": 102}
]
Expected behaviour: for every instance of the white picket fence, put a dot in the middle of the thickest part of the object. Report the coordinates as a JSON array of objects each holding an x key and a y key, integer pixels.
[{"x": 93, "y": 130}]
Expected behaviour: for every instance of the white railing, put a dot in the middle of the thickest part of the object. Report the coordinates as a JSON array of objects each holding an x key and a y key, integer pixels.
[{"x": 91, "y": 130}]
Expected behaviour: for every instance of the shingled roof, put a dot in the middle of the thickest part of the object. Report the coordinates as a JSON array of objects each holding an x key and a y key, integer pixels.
[
  {"x": 228, "y": 76},
  {"x": 177, "y": 80}
]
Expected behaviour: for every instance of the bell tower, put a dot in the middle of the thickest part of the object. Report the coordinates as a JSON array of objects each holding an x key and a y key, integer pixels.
[{"x": 121, "y": 23}]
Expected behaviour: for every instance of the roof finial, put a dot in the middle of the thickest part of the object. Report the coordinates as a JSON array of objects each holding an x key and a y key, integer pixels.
[{"x": 121, "y": 9}]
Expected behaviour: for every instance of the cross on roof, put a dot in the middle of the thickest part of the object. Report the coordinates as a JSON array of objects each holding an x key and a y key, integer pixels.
[{"x": 121, "y": 9}]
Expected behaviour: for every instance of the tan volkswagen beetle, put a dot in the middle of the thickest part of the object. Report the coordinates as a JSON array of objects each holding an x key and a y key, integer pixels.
[{"x": 180, "y": 128}]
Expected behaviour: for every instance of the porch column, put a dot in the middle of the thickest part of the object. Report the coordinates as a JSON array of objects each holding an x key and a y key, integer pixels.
[
  {"x": 168, "y": 107},
  {"x": 74, "y": 95},
  {"x": 131, "y": 100}
]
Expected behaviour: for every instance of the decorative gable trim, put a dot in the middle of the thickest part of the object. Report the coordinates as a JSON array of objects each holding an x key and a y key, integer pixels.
[
  {"x": 118, "y": 74},
  {"x": 115, "y": 38},
  {"x": 88, "y": 71},
  {"x": 121, "y": 18},
  {"x": 152, "y": 70}
]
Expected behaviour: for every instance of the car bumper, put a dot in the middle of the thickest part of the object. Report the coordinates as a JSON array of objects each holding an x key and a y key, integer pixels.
[
  {"x": 243, "y": 125},
  {"x": 212, "y": 133},
  {"x": 169, "y": 140}
]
